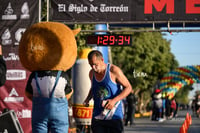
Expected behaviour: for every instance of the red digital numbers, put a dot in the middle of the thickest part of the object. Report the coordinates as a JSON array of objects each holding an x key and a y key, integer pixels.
[
  {"x": 127, "y": 39},
  {"x": 105, "y": 40},
  {"x": 109, "y": 40},
  {"x": 121, "y": 40},
  {"x": 113, "y": 40}
]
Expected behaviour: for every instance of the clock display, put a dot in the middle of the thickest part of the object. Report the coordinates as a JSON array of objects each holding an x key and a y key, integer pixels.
[{"x": 109, "y": 40}]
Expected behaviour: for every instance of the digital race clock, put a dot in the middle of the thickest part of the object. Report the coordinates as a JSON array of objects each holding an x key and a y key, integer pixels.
[{"x": 109, "y": 40}]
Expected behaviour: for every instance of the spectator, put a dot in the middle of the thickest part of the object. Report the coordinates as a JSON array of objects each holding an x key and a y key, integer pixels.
[
  {"x": 168, "y": 106},
  {"x": 131, "y": 101},
  {"x": 173, "y": 107}
]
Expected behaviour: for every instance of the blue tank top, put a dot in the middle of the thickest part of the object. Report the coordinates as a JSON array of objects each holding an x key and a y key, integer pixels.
[{"x": 106, "y": 89}]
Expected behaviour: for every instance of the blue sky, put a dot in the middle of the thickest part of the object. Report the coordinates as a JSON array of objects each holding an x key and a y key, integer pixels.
[{"x": 186, "y": 48}]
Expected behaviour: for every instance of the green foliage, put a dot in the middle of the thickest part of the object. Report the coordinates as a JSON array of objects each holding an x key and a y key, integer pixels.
[
  {"x": 81, "y": 37},
  {"x": 44, "y": 10},
  {"x": 145, "y": 62},
  {"x": 150, "y": 53},
  {"x": 182, "y": 95}
]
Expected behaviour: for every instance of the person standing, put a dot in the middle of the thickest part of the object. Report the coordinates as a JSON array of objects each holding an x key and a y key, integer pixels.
[
  {"x": 168, "y": 107},
  {"x": 106, "y": 92},
  {"x": 3, "y": 68},
  {"x": 131, "y": 100},
  {"x": 173, "y": 107}
]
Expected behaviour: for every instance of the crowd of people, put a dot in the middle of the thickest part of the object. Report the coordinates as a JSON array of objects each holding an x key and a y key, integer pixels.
[{"x": 162, "y": 107}]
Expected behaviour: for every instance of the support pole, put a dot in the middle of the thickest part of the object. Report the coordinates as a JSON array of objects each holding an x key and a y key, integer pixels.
[{"x": 103, "y": 49}]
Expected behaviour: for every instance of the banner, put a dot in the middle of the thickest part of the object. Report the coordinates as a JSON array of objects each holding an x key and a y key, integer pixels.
[
  {"x": 125, "y": 11},
  {"x": 15, "y": 17}
]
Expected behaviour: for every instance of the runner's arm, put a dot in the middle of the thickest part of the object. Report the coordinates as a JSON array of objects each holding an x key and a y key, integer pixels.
[
  {"x": 122, "y": 80},
  {"x": 89, "y": 96}
]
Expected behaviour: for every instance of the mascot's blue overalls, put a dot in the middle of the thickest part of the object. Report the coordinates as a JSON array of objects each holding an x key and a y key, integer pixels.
[{"x": 49, "y": 113}]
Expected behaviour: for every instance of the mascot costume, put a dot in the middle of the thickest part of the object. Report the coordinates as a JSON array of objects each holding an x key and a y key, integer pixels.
[{"x": 48, "y": 50}]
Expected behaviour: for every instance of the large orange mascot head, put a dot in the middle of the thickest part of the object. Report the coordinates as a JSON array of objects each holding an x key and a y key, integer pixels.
[{"x": 48, "y": 46}]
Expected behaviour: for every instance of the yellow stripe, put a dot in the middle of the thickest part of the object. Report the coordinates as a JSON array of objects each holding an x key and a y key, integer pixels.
[
  {"x": 81, "y": 105},
  {"x": 84, "y": 53}
]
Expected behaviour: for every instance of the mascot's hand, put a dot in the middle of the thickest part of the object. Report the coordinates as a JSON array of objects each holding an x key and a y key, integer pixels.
[
  {"x": 30, "y": 96},
  {"x": 68, "y": 96}
]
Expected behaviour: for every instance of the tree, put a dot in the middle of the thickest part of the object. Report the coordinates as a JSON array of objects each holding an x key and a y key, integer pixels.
[
  {"x": 182, "y": 95},
  {"x": 145, "y": 62},
  {"x": 81, "y": 37}
]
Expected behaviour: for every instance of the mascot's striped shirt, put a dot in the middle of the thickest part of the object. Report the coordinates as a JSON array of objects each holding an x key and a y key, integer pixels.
[{"x": 46, "y": 80}]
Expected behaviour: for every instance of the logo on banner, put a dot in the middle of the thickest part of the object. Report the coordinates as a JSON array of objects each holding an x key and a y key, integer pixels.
[
  {"x": 5, "y": 131},
  {"x": 25, "y": 11},
  {"x": 13, "y": 97},
  {"x": 15, "y": 74},
  {"x": 11, "y": 57},
  {"x": 18, "y": 35},
  {"x": 8, "y": 13},
  {"x": 6, "y": 37},
  {"x": 25, "y": 113}
]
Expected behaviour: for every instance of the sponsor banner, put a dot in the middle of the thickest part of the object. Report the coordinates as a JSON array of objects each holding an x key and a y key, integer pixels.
[
  {"x": 15, "y": 17},
  {"x": 123, "y": 11},
  {"x": 15, "y": 74},
  {"x": 90, "y": 10}
]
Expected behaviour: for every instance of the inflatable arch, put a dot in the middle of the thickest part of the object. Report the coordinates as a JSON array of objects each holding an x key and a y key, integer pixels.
[{"x": 178, "y": 78}]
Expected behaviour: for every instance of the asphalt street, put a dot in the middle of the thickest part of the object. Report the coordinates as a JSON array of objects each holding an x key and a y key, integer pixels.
[{"x": 145, "y": 125}]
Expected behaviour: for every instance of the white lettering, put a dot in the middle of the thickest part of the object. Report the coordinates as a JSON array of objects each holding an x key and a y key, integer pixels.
[
  {"x": 14, "y": 99},
  {"x": 61, "y": 8},
  {"x": 103, "y": 8},
  {"x": 77, "y": 9},
  {"x": 11, "y": 56},
  {"x": 93, "y": 8},
  {"x": 139, "y": 74},
  {"x": 121, "y": 8},
  {"x": 25, "y": 113},
  {"x": 15, "y": 74}
]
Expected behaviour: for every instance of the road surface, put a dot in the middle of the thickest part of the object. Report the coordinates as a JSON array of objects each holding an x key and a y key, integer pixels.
[{"x": 145, "y": 125}]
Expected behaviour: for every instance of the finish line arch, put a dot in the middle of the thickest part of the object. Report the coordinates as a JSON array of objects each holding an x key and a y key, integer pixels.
[{"x": 176, "y": 79}]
